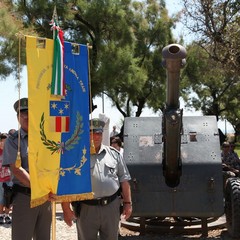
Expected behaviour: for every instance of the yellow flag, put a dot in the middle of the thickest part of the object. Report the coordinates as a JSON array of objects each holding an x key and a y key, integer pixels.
[{"x": 59, "y": 146}]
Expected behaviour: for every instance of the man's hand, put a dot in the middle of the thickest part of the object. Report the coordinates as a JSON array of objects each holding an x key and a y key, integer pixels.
[
  {"x": 52, "y": 197},
  {"x": 127, "y": 210},
  {"x": 127, "y": 203},
  {"x": 68, "y": 214}
]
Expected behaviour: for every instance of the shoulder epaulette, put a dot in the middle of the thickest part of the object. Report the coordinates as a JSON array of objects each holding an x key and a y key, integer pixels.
[
  {"x": 13, "y": 134},
  {"x": 114, "y": 152}
]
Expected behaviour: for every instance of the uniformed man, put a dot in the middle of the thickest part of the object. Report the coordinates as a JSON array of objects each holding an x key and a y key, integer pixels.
[
  {"x": 27, "y": 223},
  {"x": 108, "y": 174}
]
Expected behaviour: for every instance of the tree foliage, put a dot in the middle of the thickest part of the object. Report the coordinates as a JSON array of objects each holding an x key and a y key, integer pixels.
[
  {"x": 9, "y": 25},
  {"x": 216, "y": 24},
  {"x": 214, "y": 88},
  {"x": 214, "y": 58},
  {"x": 126, "y": 39}
]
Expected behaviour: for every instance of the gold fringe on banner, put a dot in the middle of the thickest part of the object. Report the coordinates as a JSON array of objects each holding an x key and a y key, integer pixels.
[
  {"x": 39, "y": 201},
  {"x": 63, "y": 198}
]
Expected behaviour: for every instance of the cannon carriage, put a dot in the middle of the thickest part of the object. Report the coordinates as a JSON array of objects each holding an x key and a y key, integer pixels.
[{"x": 175, "y": 160}]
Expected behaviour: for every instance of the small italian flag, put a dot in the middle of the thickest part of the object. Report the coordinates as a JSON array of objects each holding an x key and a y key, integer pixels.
[{"x": 58, "y": 85}]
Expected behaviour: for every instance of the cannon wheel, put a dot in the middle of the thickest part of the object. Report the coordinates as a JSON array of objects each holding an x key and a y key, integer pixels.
[{"x": 232, "y": 206}]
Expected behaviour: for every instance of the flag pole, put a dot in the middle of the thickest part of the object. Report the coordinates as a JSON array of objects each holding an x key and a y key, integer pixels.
[
  {"x": 54, "y": 16},
  {"x": 92, "y": 147},
  {"x": 53, "y": 220},
  {"x": 20, "y": 36}
]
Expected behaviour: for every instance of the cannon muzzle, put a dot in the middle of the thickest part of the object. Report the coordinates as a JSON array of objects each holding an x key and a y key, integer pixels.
[{"x": 174, "y": 59}]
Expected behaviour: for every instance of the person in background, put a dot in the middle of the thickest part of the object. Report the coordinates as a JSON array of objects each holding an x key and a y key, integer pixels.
[
  {"x": 230, "y": 162},
  {"x": 114, "y": 132},
  {"x": 27, "y": 223},
  {"x": 108, "y": 174},
  {"x": 117, "y": 144},
  {"x": 5, "y": 178},
  {"x": 232, "y": 151}
]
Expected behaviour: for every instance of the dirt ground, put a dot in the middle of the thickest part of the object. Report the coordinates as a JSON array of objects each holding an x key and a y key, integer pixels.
[
  {"x": 63, "y": 232},
  {"x": 213, "y": 234}
]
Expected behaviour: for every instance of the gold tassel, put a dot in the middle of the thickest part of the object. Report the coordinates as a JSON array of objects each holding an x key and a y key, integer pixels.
[
  {"x": 18, "y": 162},
  {"x": 92, "y": 148}
]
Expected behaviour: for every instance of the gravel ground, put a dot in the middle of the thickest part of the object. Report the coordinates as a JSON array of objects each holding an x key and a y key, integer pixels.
[
  {"x": 213, "y": 234},
  {"x": 63, "y": 232}
]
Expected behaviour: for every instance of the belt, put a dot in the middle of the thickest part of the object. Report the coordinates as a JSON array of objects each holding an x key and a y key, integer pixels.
[
  {"x": 101, "y": 201},
  {"x": 21, "y": 189}
]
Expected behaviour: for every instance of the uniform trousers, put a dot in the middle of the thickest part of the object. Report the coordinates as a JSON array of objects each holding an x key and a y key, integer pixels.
[
  {"x": 99, "y": 219},
  {"x": 1, "y": 194},
  {"x": 30, "y": 223}
]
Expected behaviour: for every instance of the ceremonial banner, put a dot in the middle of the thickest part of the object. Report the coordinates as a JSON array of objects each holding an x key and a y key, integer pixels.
[{"x": 59, "y": 145}]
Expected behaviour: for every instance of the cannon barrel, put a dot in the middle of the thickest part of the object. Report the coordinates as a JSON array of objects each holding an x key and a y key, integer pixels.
[{"x": 174, "y": 59}]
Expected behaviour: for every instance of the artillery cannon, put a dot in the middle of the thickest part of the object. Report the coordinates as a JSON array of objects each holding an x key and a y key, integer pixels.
[{"x": 175, "y": 160}]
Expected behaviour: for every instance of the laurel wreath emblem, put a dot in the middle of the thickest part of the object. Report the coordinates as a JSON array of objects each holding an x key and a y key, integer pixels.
[{"x": 57, "y": 147}]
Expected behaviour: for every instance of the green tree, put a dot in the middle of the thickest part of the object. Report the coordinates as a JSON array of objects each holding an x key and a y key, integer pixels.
[
  {"x": 9, "y": 26},
  {"x": 214, "y": 76},
  {"x": 215, "y": 24},
  {"x": 126, "y": 38},
  {"x": 139, "y": 76},
  {"x": 209, "y": 87}
]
